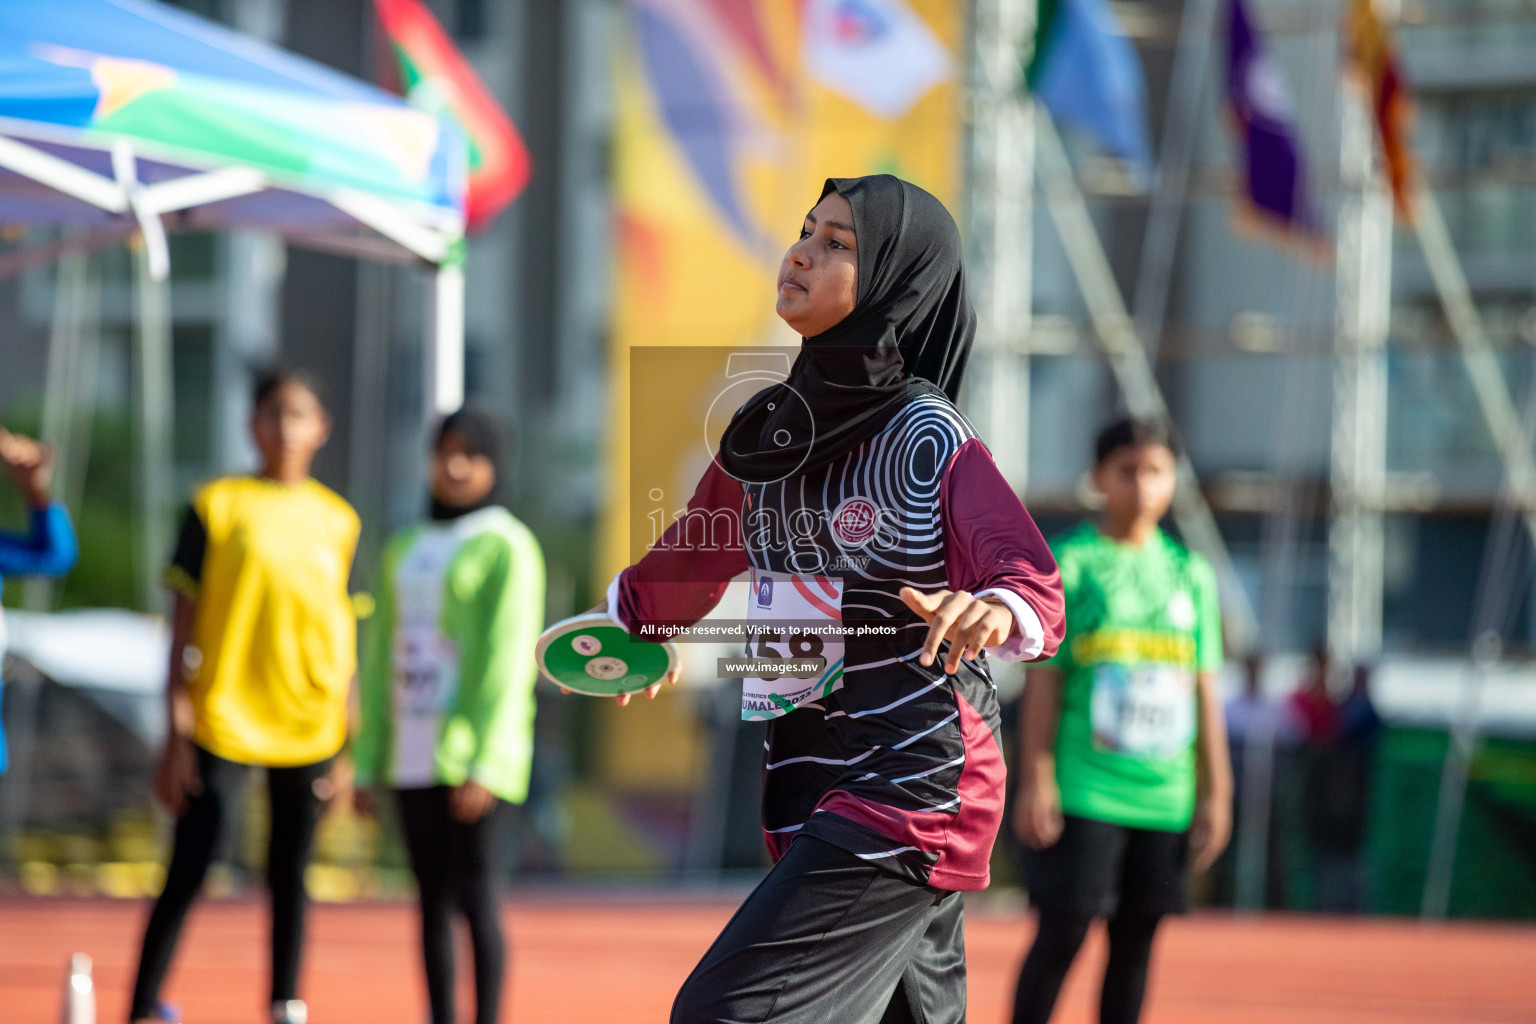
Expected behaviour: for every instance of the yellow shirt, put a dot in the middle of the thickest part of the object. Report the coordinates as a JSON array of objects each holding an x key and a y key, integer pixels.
[{"x": 273, "y": 646}]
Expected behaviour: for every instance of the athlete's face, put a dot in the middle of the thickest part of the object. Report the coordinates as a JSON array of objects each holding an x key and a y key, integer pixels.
[
  {"x": 289, "y": 427},
  {"x": 461, "y": 477},
  {"x": 1137, "y": 482},
  {"x": 819, "y": 277}
]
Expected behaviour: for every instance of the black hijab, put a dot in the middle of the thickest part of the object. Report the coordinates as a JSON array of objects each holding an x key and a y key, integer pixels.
[
  {"x": 909, "y": 335},
  {"x": 481, "y": 437}
]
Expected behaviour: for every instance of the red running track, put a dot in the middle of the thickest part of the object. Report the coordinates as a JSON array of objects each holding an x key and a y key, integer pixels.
[{"x": 585, "y": 960}]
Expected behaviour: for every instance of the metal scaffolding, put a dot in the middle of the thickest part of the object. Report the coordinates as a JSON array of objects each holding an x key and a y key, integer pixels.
[
  {"x": 1357, "y": 472},
  {"x": 1000, "y": 172},
  {"x": 1133, "y": 370}
]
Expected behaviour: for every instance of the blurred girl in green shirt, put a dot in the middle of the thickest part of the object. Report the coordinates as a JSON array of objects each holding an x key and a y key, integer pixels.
[
  {"x": 1124, "y": 769},
  {"x": 447, "y": 700}
]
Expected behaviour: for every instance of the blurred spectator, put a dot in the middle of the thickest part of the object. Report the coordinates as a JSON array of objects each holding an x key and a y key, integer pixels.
[
  {"x": 1358, "y": 720},
  {"x": 48, "y": 548},
  {"x": 1336, "y": 743},
  {"x": 446, "y": 701},
  {"x": 1307, "y": 730},
  {"x": 1253, "y": 730},
  {"x": 263, "y": 636},
  {"x": 1340, "y": 801},
  {"x": 1250, "y": 715},
  {"x": 1310, "y": 714}
]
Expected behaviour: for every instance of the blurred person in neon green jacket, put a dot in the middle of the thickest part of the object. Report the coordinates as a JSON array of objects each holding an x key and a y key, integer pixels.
[{"x": 447, "y": 701}]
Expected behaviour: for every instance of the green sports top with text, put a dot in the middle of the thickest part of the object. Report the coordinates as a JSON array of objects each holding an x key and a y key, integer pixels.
[
  {"x": 1142, "y": 623},
  {"x": 447, "y": 682}
]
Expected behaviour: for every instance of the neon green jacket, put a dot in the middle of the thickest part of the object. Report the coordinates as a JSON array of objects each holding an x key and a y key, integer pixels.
[{"x": 448, "y": 666}]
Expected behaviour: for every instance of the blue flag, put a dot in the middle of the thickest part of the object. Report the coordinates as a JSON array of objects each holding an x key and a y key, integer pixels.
[{"x": 1087, "y": 74}]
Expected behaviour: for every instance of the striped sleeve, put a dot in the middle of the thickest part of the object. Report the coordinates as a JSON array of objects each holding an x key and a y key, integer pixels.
[
  {"x": 683, "y": 577},
  {"x": 992, "y": 544}
]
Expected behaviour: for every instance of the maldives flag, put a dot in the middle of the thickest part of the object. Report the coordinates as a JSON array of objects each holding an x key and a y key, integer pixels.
[{"x": 436, "y": 77}]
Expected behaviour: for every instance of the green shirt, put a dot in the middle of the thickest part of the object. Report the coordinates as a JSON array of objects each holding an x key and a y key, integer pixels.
[
  {"x": 448, "y": 671},
  {"x": 1141, "y": 623}
]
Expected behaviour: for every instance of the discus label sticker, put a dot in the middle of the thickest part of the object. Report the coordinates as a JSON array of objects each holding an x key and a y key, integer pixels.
[
  {"x": 607, "y": 668},
  {"x": 586, "y": 645}
]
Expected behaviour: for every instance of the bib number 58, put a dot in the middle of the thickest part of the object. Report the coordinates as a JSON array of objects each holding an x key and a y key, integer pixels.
[{"x": 765, "y": 644}]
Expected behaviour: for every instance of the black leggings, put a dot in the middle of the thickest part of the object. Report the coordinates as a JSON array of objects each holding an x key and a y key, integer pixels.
[
  {"x": 1056, "y": 944},
  {"x": 457, "y": 868},
  {"x": 199, "y": 832}
]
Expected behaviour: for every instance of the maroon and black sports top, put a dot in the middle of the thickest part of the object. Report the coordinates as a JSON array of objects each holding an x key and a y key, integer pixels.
[{"x": 899, "y": 764}]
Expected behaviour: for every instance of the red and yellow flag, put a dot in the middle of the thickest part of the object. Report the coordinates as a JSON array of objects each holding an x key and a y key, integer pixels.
[
  {"x": 436, "y": 77},
  {"x": 1373, "y": 54}
]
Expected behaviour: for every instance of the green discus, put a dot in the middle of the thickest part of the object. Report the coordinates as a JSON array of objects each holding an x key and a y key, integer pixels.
[{"x": 592, "y": 654}]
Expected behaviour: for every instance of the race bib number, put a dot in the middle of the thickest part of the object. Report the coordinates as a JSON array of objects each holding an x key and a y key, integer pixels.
[
  {"x": 426, "y": 663},
  {"x": 785, "y": 610},
  {"x": 426, "y": 668},
  {"x": 1143, "y": 710},
  {"x": 426, "y": 671}
]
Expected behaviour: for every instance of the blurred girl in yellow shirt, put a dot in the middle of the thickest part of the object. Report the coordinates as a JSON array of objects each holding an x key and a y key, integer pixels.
[{"x": 263, "y": 651}]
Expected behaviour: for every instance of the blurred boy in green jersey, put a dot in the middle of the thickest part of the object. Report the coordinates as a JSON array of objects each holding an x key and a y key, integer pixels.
[{"x": 1124, "y": 768}]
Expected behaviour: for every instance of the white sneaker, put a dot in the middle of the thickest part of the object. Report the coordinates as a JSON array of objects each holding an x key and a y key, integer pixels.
[{"x": 290, "y": 1011}]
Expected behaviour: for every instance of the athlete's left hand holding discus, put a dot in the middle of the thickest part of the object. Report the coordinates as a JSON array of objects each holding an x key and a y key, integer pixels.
[
  {"x": 969, "y": 623},
  {"x": 601, "y": 608}
]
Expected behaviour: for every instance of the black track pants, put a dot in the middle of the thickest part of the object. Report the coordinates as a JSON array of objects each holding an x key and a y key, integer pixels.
[
  {"x": 1057, "y": 941},
  {"x": 830, "y": 937},
  {"x": 457, "y": 868},
  {"x": 199, "y": 833}
]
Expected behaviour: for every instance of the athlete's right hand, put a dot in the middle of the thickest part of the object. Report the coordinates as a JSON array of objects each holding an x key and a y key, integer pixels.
[
  {"x": 176, "y": 776},
  {"x": 1037, "y": 814}
]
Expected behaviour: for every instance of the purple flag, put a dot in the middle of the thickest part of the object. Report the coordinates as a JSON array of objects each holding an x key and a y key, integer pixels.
[{"x": 1274, "y": 194}]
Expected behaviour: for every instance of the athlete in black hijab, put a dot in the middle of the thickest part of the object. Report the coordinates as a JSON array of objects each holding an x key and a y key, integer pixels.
[
  {"x": 909, "y": 335},
  {"x": 883, "y": 780}
]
